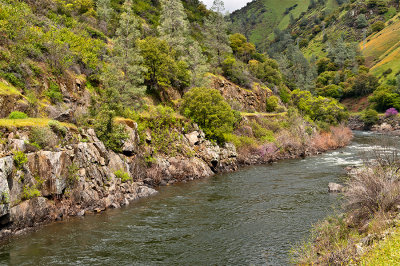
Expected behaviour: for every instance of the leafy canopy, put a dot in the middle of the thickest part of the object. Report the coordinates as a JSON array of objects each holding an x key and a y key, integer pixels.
[{"x": 208, "y": 109}]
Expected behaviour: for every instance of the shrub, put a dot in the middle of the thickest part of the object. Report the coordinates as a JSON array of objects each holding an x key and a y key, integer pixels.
[
  {"x": 332, "y": 90},
  {"x": 210, "y": 111},
  {"x": 111, "y": 134},
  {"x": 20, "y": 159},
  {"x": 30, "y": 193},
  {"x": 124, "y": 176},
  {"x": 319, "y": 109},
  {"x": 43, "y": 137},
  {"x": 372, "y": 190},
  {"x": 54, "y": 92},
  {"x": 391, "y": 112},
  {"x": 272, "y": 103},
  {"x": 57, "y": 128},
  {"x": 378, "y": 26},
  {"x": 370, "y": 117},
  {"x": 17, "y": 115}
]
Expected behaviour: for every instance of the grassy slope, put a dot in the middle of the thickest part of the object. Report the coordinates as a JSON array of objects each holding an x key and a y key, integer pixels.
[
  {"x": 382, "y": 50},
  {"x": 385, "y": 253},
  {"x": 262, "y": 16}
]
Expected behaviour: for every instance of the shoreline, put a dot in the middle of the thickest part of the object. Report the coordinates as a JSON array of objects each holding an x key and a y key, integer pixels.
[{"x": 49, "y": 208}]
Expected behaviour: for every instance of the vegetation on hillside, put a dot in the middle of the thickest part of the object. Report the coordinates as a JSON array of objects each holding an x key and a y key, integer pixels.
[{"x": 129, "y": 55}]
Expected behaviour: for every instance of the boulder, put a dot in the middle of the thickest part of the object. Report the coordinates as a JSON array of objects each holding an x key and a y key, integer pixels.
[
  {"x": 335, "y": 188},
  {"x": 193, "y": 138}
]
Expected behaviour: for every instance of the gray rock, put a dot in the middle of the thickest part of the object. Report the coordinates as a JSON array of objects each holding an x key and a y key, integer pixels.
[{"x": 335, "y": 188}]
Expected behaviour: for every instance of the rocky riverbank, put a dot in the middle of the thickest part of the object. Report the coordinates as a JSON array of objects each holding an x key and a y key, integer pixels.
[{"x": 80, "y": 176}]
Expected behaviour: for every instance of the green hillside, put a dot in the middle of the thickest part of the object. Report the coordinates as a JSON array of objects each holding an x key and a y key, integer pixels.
[{"x": 259, "y": 18}]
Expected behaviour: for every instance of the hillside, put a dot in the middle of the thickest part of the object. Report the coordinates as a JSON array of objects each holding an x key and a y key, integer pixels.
[{"x": 259, "y": 18}]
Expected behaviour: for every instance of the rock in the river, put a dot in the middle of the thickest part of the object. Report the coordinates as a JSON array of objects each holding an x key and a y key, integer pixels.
[{"x": 335, "y": 188}]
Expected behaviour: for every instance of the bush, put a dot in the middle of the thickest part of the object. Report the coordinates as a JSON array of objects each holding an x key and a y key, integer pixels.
[
  {"x": 124, "y": 176},
  {"x": 57, "y": 128},
  {"x": 391, "y": 112},
  {"x": 385, "y": 97},
  {"x": 210, "y": 111},
  {"x": 378, "y": 26},
  {"x": 272, "y": 103},
  {"x": 333, "y": 91},
  {"x": 370, "y": 117},
  {"x": 30, "y": 193},
  {"x": 17, "y": 115},
  {"x": 20, "y": 159},
  {"x": 319, "y": 109},
  {"x": 43, "y": 137},
  {"x": 54, "y": 93},
  {"x": 111, "y": 134}
]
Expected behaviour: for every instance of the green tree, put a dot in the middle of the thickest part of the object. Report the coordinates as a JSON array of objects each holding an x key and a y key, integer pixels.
[
  {"x": 210, "y": 111},
  {"x": 163, "y": 69},
  {"x": 124, "y": 71},
  {"x": 105, "y": 12},
  {"x": 215, "y": 33},
  {"x": 361, "y": 21},
  {"x": 174, "y": 28}
]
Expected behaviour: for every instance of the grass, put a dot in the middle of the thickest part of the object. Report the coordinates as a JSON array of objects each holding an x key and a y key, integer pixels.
[
  {"x": 262, "y": 114},
  {"x": 8, "y": 89},
  {"x": 386, "y": 252},
  {"x": 382, "y": 50},
  {"x": 30, "y": 122}
]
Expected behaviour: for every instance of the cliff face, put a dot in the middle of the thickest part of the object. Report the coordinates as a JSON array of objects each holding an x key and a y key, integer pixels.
[{"x": 82, "y": 176}]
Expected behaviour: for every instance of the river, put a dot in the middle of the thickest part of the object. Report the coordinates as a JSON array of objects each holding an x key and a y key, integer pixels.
[{"x": 250, "y": 217}]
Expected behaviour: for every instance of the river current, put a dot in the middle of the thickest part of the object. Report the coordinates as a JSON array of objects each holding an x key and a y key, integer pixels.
[{"x": 250, "y": 217}]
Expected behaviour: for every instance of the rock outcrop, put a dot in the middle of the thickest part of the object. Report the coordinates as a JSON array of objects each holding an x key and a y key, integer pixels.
[
  {"x": 250, "y": 100},
  {"x": 81, "y": 177}
]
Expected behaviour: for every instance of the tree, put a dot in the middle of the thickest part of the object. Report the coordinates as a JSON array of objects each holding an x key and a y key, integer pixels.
[
  {"x": 124, "y": 71},
  {"x": 361, "y": 21},
  {"x": 163, "y": 69},
  {"x": 210, "y": 111},
  {"x": 241, "y": 48},
  {"x": 174, "y": 29},
  {"x": 174, "y": 26},
  {"x": 215, "y": 33},
  {"x": 104, "y": 11}
]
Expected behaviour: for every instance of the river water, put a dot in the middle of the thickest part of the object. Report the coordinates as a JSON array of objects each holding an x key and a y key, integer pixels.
[{"x": 250, "y": 217}]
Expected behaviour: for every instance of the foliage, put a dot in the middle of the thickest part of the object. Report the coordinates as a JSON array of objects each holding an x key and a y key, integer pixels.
[
  {"x": 241, "y": 48},
  {"x": 111, "y": 134},
  {"x": 73, "y": 175},
  {"x": 377, "y": 26},
  {"x": 332, "y": 90},
  {"x": 215, "y": 34},
  {"x": 391, "y": 112},
  {"x": 43, "y": 136},
  {"x": 162, "y": 68},
  {"x": 272, "y": 103},
  {"x": 30, "y": 193},
  {"x": 20, "y": 159},
  {"x": 124, "y": 176},
  {"x": 268, "y": 71},
  {"x": 208, "y": 109},
  {"x": 319, "y": 109},
  {"x": 236, "y": 71},
  {"x": 370, "y": 117},
  {"x": 57, "y": 128},
  {"x": 17, "y": 115},
  {"x": 54, "y": 92},
  {"x": 385, "y": 97}
]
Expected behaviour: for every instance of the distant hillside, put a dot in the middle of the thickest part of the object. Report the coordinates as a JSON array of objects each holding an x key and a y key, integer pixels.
[{"x": 259, "y": 18}]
